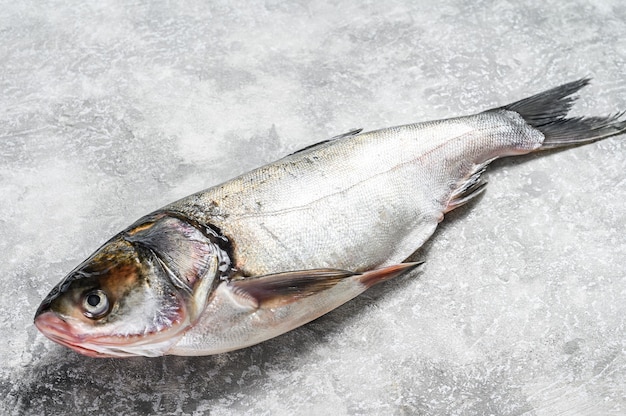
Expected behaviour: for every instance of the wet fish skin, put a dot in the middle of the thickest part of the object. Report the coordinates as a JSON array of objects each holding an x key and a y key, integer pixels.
[
  {"x": 396, "y": 181},
  {"x": 279, "y": 246}
]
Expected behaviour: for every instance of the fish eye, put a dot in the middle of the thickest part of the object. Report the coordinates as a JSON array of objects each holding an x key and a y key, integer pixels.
[{"x": 95, "y": 304}]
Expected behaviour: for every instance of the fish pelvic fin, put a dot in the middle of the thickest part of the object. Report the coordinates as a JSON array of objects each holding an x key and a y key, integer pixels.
[{"x": 547, "y": 112}]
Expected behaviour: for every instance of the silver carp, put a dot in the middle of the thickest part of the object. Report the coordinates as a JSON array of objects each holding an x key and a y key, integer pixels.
[{"x": 277, "y": 247}]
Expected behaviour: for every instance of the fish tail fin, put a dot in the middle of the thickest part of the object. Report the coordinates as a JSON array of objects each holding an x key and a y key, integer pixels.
[{"x": 547, "y": 112}]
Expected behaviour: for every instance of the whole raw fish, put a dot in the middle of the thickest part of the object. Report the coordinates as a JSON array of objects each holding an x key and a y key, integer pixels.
[{"x": 281, "y": 245}]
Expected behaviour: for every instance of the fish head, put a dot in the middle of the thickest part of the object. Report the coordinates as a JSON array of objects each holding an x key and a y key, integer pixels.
[{"x": 137, "y": 294}]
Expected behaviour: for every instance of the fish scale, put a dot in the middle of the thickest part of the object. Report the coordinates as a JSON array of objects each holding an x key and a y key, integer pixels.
[{"x": 394, "y": 183}]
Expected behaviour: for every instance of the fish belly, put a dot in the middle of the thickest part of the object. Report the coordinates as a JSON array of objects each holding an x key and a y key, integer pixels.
[{"x": 359, "y": 202}]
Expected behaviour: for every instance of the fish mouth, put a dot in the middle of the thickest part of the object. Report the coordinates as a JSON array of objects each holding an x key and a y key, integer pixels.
[{"x": 60, "y": 331}]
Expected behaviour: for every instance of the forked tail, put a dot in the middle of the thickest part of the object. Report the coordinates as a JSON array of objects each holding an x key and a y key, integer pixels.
[{"x": 547, "y": 112}]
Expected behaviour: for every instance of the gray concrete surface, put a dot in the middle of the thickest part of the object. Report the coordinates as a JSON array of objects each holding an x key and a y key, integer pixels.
[{"x": 111, "y": 109}]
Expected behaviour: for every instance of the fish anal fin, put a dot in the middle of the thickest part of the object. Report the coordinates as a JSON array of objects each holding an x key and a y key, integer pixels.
[{"x": 468, "y": 189}]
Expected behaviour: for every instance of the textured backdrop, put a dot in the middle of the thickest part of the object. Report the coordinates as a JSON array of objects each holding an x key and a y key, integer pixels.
[{"x": 111, "y": 110}]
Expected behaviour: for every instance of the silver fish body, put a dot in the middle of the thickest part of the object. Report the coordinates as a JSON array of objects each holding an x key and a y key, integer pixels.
[
  {"x": 359, "y": 202},
  {"x": 285, "y": 243}
]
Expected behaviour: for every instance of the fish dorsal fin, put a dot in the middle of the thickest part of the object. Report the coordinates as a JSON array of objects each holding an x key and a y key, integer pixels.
[
  {"x": 279, "y": 289},
  {"x": 352, "y": 132}
]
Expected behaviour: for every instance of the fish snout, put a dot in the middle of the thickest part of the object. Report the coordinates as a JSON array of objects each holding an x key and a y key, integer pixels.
[
  {"x": 52, "y": 325},
  {"x": 58, "y": 330}
]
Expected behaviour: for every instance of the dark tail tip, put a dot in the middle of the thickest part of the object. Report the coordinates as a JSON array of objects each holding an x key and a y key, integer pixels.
[{"x": 547, "y": 113}]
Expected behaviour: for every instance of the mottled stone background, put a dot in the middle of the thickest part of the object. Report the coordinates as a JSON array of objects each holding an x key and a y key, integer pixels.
[{"x": 111, "y": 109}]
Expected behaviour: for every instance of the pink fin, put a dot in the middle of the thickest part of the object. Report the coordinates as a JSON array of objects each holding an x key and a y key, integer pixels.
[
  {"x": 373, "y": 277},
  {"x": 280, "y": 289},
  {"x": 283, "y": 288}
]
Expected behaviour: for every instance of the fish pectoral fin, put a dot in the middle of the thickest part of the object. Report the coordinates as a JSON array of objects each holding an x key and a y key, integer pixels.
[
  {"x": 283, "y": 288},
  {"x": 279, "y": 289},
  {"x": 373, "y": 277}
]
